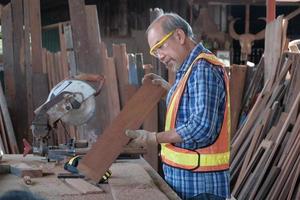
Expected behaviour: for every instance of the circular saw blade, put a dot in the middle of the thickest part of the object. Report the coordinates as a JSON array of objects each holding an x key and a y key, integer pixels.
[{"x": 82, "y": 115}]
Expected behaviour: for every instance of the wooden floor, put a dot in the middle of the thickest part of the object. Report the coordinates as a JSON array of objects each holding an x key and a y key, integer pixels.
[{"x": 131, "y": 179}]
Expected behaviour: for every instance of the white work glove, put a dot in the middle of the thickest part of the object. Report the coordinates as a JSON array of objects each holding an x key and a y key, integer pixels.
[
  {"x": 141, "y": 138},
  {"x": 157, "y": 80}
]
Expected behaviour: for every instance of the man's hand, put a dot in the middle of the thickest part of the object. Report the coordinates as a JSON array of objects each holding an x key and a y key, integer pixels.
[
  {"x": 157, "y": 80},
  {"x": 141, "y": 138}
]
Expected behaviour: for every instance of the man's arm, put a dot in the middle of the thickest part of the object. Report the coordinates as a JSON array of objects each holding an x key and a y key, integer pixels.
[{"x": 168, "y": 137}]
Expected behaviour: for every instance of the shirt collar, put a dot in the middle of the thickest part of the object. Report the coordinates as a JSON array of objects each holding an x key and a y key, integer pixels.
[{"x": 191, "y": 57}]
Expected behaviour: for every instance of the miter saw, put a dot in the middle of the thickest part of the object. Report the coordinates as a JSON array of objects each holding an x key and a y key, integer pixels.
[{"x": 71, "y": 101}]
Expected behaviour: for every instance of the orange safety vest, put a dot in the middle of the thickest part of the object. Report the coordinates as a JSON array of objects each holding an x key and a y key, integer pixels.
[{"x": 214, "y": 157}]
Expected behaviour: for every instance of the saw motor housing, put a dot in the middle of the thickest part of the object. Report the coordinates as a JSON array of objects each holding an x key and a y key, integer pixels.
[{"x": 71, "y": 101}]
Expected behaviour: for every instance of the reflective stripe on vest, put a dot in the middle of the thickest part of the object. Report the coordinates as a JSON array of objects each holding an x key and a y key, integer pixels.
[{"x": 214, "y": 157}]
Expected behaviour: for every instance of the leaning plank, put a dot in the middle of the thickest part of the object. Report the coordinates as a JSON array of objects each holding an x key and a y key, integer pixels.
[
  {"x": 82, "y": 51},
  {"x": 121, "y": 63},
  {"x": 36, "y": 36},
  {"x": 273, "y": 49},
  {"x": 125, "y": 186},
  {"x": 8, "y": 124},
  {"x": 3, "y": 135},
  {"x": 238, "y": 75},
  {"x": 151, "y": 124},
  {"x": 19, "y": 117},
  {"x": 8, "y": 55},
  {"x": 113, "y": 103},
  {"x": 293, "y": 186},
  {"x": 111, "y": 142},
  {"x": 83, "y": 186}
]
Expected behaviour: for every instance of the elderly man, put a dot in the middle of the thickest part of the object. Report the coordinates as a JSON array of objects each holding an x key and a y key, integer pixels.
[{"x": 195, "y": 145}]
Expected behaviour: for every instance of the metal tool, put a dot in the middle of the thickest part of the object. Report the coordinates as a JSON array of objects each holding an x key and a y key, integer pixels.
[{"x": 71, "y": 101}]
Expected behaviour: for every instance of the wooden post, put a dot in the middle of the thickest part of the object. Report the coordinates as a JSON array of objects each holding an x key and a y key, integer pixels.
[{"x": 271, "y": 10}]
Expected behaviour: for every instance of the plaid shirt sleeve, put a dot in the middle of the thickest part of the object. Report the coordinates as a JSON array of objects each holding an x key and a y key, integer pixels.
[{"x": 200, "y": 114}]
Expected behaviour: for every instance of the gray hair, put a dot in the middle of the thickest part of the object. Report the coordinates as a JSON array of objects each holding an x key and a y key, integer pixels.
[{"x": 172, "y": 21}]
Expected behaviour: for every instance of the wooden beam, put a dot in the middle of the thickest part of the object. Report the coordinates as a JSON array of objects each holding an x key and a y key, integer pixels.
[
  {"x": 20, "y": 118},
  {"x": 271, "y": 10}
]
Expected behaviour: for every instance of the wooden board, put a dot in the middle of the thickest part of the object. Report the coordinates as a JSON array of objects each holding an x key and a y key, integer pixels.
[
  {"x": 20, "y": 117},
  {"x": 237, "y": 75},
  {"x": 8, "y": 123},
  {"x": 139, "y": 187},
  {"x": 273, "y": 49},
  {"x": 80, "y": 35},
  {"x": 83, "y": 186},
  {"x": 36, "y": 36},
  {"x": 121, "y": 63},
  {"x": 6, "y": 21},
  {"x": 151, "y": 124},
  {"x": 111, "y": 84},
  {"x": 109, "y": 145}
]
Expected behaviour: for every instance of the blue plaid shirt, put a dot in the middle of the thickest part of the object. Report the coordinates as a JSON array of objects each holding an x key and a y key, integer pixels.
[{"x": 199, "y": 120}]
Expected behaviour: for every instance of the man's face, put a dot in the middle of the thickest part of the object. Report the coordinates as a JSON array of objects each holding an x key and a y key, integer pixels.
[{"x": 168, "y": 49}]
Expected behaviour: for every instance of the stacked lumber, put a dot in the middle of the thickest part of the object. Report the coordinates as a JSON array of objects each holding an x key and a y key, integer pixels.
[
  {"x": 8, "y": 143},
  {"x": 54, "y": 68},
  {"x": 265, "y": 150}
]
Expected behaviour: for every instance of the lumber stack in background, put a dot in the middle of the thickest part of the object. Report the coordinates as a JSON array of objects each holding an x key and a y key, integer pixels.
[{"x": 265, "y": 150}]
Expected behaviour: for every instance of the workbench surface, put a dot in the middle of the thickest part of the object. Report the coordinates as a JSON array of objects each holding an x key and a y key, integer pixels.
[{"x": 131, "y": 179}]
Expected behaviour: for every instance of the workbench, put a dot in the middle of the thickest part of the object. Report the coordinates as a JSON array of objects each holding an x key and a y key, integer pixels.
[{"x": 131, "y": 179}]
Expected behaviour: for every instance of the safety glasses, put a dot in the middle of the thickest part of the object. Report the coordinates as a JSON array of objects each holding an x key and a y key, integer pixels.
[{"x": 153, "y": 50}]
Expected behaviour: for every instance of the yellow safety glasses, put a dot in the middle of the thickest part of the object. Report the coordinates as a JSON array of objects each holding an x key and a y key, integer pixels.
[{"x": 153, "y": 50}]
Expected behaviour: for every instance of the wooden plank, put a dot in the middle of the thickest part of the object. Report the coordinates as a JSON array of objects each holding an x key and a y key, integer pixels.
[
  {"x": 112, "y": 89},
  {"x": 273, "y": 49},
  {"x": 21, "y": 119},
  {"x": 277, "y": 143},
  {"x": 295, "y": 81},
  {"x": 9, "y": 79},
  {"x": 110, "y": 143},
  {"x": 107, "y": 101},
  {"x": 93, "y": 26},
  {"x": 83, "y": 186},
  {"x": 3, "y": 135},
  {"x": 288, "y": 185},
  {"x": 28, "y": 67},
  {"x": 36, "y": 36},
  {"x": 237, "y": 75},
  {"x": 291, "y": 137},
  {"x": 85, "y": 44},
  {"x": 293, "y": 186},
  {"x": 254, "y": 170},
  {"x": 121, "y": 63},
  {"x": 80, "y": 35},
  {"x": 260, "y": 103},
  {"x": 291, "y": 159},
  {"x": 151, "y": 124},
  {"x": 63, "y": 50},
  {"x": 41, "y": 87},
  {"x": 252, "y": 148},
  {"x": 267, "y": 185},
  {"x": 2, "y": 148},
  {"x": 124, "y": 186},
  {"x": 8, "y": 123},
  {"x": 159, "y": 181}
]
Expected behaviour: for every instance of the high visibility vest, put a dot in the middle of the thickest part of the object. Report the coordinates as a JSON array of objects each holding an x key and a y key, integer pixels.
[{"x": 214, "y": 157}]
